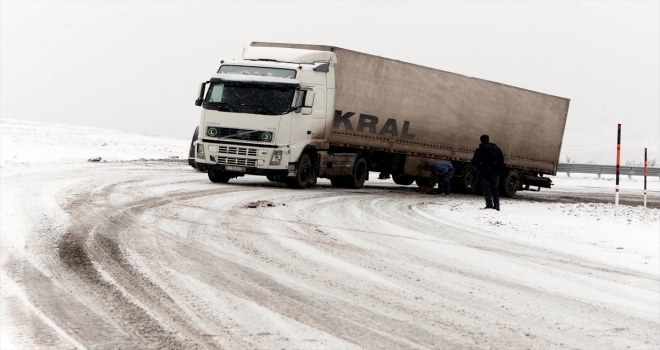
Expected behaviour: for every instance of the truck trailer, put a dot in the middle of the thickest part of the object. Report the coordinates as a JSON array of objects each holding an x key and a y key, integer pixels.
[{"x": 296, "y": 112}]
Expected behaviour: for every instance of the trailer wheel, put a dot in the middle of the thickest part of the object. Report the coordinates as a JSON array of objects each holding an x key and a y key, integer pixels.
[
  {"x": 359, "y": 176},
  {"x": 218, "y": 176},
  {"x": 429, "y": 182},
  {"x": 403, "y": 180},
  {"x": 469, "y": 180},
  {"x": 510, "y": 184},
  {"x": 304, "y": 174}
]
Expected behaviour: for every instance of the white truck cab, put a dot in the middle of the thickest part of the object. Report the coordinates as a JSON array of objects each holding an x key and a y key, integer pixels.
[{"x": 260, "y": 114}]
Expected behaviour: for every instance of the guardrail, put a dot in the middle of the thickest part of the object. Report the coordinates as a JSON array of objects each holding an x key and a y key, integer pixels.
[{"x": 631, "y": 171}]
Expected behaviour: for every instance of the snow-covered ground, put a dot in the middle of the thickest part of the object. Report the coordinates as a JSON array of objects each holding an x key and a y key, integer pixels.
[
  {"x": 29, "y": 142},
  {"x": 189, "y": 263}
]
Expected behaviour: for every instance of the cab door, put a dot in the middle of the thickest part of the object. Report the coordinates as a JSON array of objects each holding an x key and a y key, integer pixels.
[
  {"x": 318, "y": 114},
  {"x": 302, "y": 119}
]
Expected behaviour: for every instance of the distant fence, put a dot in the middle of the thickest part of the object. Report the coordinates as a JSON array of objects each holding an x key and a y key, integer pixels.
[{"x": 631, "y": 171}]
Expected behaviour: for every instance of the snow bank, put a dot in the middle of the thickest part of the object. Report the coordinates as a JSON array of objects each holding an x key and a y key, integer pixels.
[{"x": 28, "y": 142}]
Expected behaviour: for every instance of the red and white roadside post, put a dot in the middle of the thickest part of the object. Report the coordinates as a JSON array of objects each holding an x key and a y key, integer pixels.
[
  {"x": 618, "y": 161},
  {"x": 646, "y": 172}
]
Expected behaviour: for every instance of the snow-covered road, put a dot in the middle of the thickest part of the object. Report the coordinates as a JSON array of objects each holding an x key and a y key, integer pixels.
[{"x": 152, "y": 255}]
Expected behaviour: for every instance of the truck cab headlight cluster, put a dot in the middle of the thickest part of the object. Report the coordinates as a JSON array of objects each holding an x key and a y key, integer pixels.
[
  {"x": 276, "y": 158},
  {"x": 200, "y": 150}
]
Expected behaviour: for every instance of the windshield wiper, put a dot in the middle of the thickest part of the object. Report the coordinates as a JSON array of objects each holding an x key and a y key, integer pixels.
[
  {"x": 262, "y": 107},
  {"x": 226, "y": 106},
  {"x": 234, "y": 108},
  {"x": 219, "y": 106}
]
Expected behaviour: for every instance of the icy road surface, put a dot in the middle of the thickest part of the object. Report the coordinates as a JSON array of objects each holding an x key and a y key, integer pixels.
[{"x": 152, "y": 255}]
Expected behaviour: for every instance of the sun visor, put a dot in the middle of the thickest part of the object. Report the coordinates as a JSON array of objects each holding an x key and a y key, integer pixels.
[{"x": 287, "y": 55}]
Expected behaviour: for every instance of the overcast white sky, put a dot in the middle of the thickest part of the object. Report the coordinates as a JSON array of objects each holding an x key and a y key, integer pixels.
[{"x": 135, "y": 66}]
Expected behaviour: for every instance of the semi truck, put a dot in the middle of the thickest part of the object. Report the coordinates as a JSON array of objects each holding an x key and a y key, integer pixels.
[{"x": 298, "y": 112}]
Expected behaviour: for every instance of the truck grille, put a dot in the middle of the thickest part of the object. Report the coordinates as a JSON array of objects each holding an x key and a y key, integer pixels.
[
  {"x": 240, "y": 134},
  {"x": 236, "y": 161},
  {"x": 238, "y": 150}
]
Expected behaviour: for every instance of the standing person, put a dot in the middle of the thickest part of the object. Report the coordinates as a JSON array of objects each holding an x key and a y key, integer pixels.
[
  {"x": 488, "y": 159},
  {"x": 443, "y": 173}
]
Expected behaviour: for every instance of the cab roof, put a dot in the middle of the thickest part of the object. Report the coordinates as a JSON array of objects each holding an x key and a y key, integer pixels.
[{"x": 278, "y": 54}]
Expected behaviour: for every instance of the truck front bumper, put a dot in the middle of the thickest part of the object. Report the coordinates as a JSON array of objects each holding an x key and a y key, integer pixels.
[
  {"x": 248, "y": 170},
  {"x": 239, "y": 159}
]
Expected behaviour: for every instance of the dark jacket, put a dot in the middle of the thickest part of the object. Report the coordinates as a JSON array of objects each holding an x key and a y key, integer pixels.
[
  {"x": 488, "y": 159},
  {"x": 440, "y": 168}
]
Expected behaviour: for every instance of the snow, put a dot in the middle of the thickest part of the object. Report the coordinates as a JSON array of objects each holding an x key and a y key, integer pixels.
[
  {"x": 25, "y": 142},
  {"x": 628, "y": 242}
]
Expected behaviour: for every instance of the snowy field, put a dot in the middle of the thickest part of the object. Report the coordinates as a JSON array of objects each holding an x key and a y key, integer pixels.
[
  {"x": 152, "y": 254},
  {"x": 27, "y": 142}
]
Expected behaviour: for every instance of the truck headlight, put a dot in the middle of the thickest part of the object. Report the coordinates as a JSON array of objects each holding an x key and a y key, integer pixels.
[
  {"x": 200, "y": 150},
  {"x": 276, "y": 158}
]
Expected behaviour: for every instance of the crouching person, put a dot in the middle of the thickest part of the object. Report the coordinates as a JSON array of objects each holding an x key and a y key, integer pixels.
[{"x": 443, "y": 173}]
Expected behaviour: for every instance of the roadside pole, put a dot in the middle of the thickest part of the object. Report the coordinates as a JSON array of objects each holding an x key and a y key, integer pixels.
[
  {"x": 646, "y": 171},
  {"x": 618, "y": 161}
]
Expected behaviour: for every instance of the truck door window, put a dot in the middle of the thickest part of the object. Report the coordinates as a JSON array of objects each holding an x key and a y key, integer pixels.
[{"x": 216, "y": 93}]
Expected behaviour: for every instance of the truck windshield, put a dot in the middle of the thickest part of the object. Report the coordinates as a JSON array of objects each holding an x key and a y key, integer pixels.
[{"x": 255, "y": 98}]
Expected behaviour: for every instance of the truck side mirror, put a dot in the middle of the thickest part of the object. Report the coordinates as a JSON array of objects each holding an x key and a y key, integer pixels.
[
  {"x": 308, "y": 103},
  {"x": 302, "y": 100},
  {"x": 200, "y": 94}
]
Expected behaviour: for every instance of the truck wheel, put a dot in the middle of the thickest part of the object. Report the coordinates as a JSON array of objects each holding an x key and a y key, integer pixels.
[
  {"x": 403, "y": 180},
  {"x": 304, "y": 174},
  {"x": 429, "y": 182},
  {"x": 359, "y": 176},
  {"x": 218, "y": 177},
  {"x": 312, "y": 181},
  {"x": 469, "y": 180},
  {"x": 510, "y": 184}
]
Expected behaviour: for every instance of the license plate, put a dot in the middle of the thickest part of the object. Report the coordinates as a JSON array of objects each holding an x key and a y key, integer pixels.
[{"x": 235, "y": 168}]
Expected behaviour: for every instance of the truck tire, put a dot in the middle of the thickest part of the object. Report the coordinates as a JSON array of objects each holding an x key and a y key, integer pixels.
[
  {"x": 359, "y": 175},
  {"x": 218, "y": 176},
  {"x": 403, "y": 180},
  {"x": 469, "y": 181},
  {"x": 429, "y": 182},
  {"x": 510, "y": 184},
  {"x": 304, "y": 174}
]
